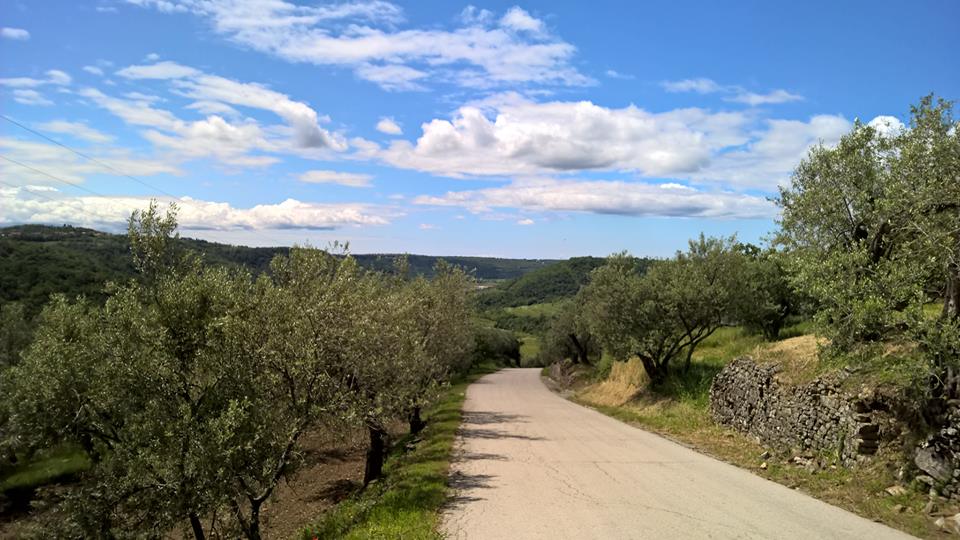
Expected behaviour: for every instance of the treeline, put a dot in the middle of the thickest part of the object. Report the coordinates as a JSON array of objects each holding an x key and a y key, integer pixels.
[
  {"x": 37, "y": 261},
  {"x": 191, "y": 387},
  {"x": 868, "y": 245}
]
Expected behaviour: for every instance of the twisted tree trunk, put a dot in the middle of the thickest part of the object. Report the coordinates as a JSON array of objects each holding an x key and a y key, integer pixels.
[
  {"x": 376, "y": 454},
  {"x": 416, "y": 423}
]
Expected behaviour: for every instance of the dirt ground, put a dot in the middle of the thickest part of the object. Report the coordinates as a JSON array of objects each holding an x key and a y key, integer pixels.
[{"x": 332, "y": 470}]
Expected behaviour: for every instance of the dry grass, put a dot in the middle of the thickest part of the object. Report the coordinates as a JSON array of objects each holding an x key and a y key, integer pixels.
[
  {"x": 626, "y": 379},
  {"x": 797, "y": 358}
]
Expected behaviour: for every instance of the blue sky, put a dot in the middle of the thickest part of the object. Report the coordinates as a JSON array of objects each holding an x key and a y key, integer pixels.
[{"x": 534, "y": 129}]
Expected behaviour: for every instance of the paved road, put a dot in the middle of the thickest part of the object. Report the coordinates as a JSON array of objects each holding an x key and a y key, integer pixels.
[{"x": 534, "y": 465}]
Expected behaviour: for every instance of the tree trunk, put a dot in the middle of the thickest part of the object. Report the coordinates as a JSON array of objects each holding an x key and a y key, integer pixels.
[
  {"x": 581, "y": 350},
  {"x": 376, "y": 454},
  {"x": 416, "y": 423},
  {"x": 951, "y": 301},
  {"x": 253, "y": 532},
  {"x": 196, "y": 526},
  {"x": 656, "y": 372},
  {"x": 686, "y": 363}
]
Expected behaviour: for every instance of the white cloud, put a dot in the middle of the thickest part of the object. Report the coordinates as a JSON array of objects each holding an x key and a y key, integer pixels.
[
  {"x": 19, "y": 206},
  {"x": 336, "y": 177},
  {"x": 363, "y": 36},
  {"x": 389, "y": 126},
  {"x": 213, "y": 107},
  {"x": 614, "y": 74},
  {"x": 517, "y": 19},
  {"x": 160, "y": 70},
  {"x": 474, "y": 16},
  {"x": 519, "y": 137},
  {"x": 16, "y": 34},
  {"x": 774, "y": 97},
  {"x": 605, "y": 197},
  {"x": 223, "y": 134},
  {"x": 93, "y": 70},
  {"x": 427, "y": 227},
  {"x": 26, "y": 96},
  {"x": 732, "y": 93},
  {"x": 700, "y": 86},
  {"x": 54, "y": 76},
  {"x": 152, "y": 57},
  {"x": 392, "y": 76},
  {"x": 887, "y": 126},
  {"x": 773, "y": 153},
  {"x": 76, "y": 129},
  {"x": 525, "y": 221},
  {"x": 69, "y": 167}
]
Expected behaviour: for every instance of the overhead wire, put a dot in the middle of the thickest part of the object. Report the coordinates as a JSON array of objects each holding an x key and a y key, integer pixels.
[{"x": 86, "y": 156}]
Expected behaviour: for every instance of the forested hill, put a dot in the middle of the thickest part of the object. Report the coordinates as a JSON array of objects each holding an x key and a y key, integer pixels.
[
  {"x": 553, "y": 282},
  {"x": 37, "y": 260}
]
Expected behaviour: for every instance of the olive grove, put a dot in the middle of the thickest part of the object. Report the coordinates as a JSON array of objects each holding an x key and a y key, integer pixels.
[{"x": 193, "y": 386}]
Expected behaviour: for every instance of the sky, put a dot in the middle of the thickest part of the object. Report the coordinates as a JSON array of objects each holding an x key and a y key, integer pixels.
[{"x": 536, "y": 129}]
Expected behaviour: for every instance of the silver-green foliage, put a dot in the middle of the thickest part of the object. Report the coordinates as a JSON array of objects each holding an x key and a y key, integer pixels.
[
  {"x": 192, "y": 388},
  {"x": 873, "y": 228}
]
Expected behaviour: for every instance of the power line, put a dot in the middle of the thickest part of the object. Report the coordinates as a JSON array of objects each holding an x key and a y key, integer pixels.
[
  {"x": 37, "y": 193},
  {"x": 85, "y": 156},
  {"x": 48, "y": 175}
]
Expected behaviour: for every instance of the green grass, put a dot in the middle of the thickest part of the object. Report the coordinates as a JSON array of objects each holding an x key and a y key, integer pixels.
[
  {"x": 46, "y": 468},
  {"x": 545, "y": 309},
  {"x": 529, "y": 349},
  {"x": 405, "y": 504}
]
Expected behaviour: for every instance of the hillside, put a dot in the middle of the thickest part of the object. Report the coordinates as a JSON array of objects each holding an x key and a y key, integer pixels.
[
  {"x": 547, "y": 284},
  {"x": 38, "y": 260}
]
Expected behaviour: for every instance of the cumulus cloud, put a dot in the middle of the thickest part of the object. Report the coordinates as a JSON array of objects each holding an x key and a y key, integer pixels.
[
  {"x": 887, "y": 126},
  {"x": 16, "y": 34},
  {"x": 605, "y": 197},
  {"x": 389, "y": 126},
  {"x": 93, "y": 70},
  {"x": 525, "y": 221},
  {"x": 223, "y": 134},
  {"x": 363, "y": 36},
  {"x": 773, "y": 153},
  {"x": 517, "y": 19},
  {"x": 520, "y": 137},
  {"x": 21, "y": 206},
  {"x": 336, "y": 177},
  {"x": 79, "y": 130}
]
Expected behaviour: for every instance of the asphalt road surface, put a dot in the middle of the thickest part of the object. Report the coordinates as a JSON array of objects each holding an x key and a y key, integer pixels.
[{"x": 534, "y": 465}]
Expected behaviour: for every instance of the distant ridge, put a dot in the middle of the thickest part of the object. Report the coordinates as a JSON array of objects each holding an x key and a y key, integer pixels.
[{"x": 39, "y": 260}]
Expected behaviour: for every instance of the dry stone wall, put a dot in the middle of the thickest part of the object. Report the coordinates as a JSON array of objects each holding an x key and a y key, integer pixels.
[{"x": 816, "y": 417}]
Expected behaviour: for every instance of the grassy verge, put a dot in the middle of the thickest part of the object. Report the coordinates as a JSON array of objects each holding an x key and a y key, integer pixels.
[
  {"x": 406, "y": 502},
  {"x": 679, "y": 410},
  {"x": 46, "y": 468}
]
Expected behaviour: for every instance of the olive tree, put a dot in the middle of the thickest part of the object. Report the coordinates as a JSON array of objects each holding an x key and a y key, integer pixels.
[
  {"x": 442, "y": 319},
  {"x": 765, "y": 298},
  {"x": 873, "y": 226},
  {"x": 873, "y": 229},
  {"x": 569, "y": 336},
  {"x": 666, "y": 313}
]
